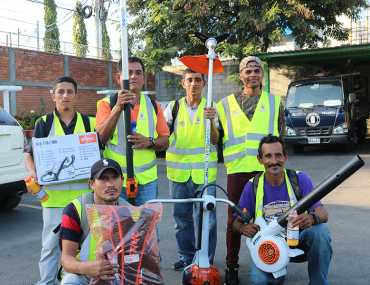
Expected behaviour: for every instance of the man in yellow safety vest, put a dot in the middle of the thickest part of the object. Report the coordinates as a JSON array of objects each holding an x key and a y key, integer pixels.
[
  {"x": 150, "y": 134},
  {"x": 246, "y": 117},
  {"x": 63, "y": 121},
  {"x": 185, "y": 163}
]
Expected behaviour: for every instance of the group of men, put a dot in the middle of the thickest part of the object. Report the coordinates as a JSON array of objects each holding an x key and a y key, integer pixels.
[{"x": 248, "y": 123}]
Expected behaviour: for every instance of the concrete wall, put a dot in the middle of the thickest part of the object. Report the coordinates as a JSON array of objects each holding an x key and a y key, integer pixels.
[
  {"x": 280, "y": 77},
  {"x": 220, "y": 88}
]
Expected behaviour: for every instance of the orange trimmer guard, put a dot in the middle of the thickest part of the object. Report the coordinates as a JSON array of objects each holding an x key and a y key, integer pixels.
[{"x": 131, "y": 187}]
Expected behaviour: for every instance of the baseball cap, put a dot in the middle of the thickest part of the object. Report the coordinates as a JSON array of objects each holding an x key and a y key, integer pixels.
[
  {"x": 103, "y": 164},
  {"x": 246, "y": 60}
]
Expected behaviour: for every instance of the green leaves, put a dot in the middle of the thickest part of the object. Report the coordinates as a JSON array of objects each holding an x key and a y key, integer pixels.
[
  {"x": 167, "y": 27},
  {"x": 51, "y": 38},
  {"x": 79, "y": 33}
]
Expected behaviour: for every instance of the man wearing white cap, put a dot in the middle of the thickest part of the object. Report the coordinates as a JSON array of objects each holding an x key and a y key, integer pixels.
[{"x": 246, "y": 117}]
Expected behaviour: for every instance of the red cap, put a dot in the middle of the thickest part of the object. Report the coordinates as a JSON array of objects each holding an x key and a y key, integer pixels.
[{"x": 27, "y": 179}]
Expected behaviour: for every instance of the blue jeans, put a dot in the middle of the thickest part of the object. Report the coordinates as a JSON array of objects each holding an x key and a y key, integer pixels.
[
  {"x": 315, "y": 242},
  {"x": 146, "y": 192},
  {"x": 50, "y": 253},
  {"x": 75, "y": 279},
  {"x": 183, "y": 215}
]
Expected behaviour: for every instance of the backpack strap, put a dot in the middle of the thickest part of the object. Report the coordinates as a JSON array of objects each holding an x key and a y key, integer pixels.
[
  {"x": 293, "y": 178},
  {"x": 48, "y": 123},
  {"x": 86, "y": 198},
  {"x": 86, "y": 121},
  {"x": 113, "y": 102},
  {"x": 175, "y": 110},
  {"x": 154, "y": 105},
  {"x": 256, "y": 179}
]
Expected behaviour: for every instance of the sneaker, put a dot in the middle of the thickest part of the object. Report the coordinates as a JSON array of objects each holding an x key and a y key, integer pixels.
[
  {"x": 180, "y": 265},
  {"x": 231, "y": 277}
]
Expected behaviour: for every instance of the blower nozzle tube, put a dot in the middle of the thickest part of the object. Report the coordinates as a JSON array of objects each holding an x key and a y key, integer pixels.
[{"x": 325, "y": 187}]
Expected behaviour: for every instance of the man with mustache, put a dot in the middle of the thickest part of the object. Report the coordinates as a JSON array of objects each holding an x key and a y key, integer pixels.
[
  {"x": 273, "y": 192},
  {"x": 150, "y": 134},
  {"x": 63, "y": 121},
  {"x": 185, "y": 164},
  {"x": 246, "y": 117},
  {"x": 106, "y": 180}
]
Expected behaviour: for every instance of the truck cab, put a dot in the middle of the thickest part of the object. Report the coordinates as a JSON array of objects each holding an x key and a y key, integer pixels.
[{"x": 327, "y": 110}]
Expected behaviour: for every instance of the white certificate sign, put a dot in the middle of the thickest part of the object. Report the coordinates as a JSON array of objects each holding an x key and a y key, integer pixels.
[{"x": 63, "y": 159}]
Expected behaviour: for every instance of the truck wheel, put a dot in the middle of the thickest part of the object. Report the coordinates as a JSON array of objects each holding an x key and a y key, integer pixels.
[
  {"x": 361, "y": 130},
  {"x": 9, "y": 202},
  {"x": 298, "y": 149},
  {"x": 350, "y": 145}
]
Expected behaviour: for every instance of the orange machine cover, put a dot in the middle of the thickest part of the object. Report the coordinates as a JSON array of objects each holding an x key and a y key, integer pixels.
[{"x": 200, "y": 63}]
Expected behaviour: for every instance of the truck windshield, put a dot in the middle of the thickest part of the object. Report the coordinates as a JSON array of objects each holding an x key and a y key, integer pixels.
[{"x": 308, "y": 95}]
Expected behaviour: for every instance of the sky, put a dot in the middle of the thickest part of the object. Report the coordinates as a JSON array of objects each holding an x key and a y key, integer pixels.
[{"x": 24, "y": 14}]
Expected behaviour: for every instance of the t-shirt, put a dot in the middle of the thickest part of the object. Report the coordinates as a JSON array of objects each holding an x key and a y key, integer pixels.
[
  {"x": 40, "y": 127},
  {"x": 104, "y": 112},
  {"x": 192, "y": 111},
  {"x": 275, "y": 199},
  {"x": 70, "y": 228}
]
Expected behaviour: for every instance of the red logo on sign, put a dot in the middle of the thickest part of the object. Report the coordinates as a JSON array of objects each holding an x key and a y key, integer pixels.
[{"x": 88, "y": 139}]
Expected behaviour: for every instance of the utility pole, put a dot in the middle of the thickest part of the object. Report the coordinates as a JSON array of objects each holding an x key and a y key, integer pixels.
[
  {"x": 38, "y": 36},
  {"x": 18, "y": 37},
  {"x": 98, "y": 31}
]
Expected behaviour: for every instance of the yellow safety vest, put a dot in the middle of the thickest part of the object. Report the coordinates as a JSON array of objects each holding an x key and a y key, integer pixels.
[
  {"x": 145, "y": 159},
  {"x": 88, "y": 245},
  {"x": 260, "y": 193},
  {"x": 61, "y": 194},
  {"x": 186, "y": 155},
  {"x": 242, "y": 136}
]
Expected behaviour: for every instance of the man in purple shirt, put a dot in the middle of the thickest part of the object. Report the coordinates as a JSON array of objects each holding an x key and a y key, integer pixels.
[{"x": 272, "y": 198}]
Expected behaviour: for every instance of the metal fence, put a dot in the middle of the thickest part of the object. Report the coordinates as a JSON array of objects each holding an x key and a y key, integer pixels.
[{"x": 33, "y": 42}]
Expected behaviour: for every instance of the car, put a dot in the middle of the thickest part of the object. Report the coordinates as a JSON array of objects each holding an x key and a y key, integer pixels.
[{"x": 12, "y": 167}]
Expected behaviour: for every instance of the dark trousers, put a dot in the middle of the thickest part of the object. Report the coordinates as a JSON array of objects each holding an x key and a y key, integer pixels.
[{"x": 235, "y": 185}]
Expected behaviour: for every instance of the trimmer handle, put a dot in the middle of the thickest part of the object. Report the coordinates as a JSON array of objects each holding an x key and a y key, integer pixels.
[
  {"x": 204, "y": 38},
  {"x": 246, "y": 216}
]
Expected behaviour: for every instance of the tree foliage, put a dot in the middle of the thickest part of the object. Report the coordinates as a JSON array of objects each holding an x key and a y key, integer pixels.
[
  {"x": 80, "y": 43},
  {"x": 51, "y": 38},
  {"x": 167, "y": 27},
  {"x": 106, "y": 42}
]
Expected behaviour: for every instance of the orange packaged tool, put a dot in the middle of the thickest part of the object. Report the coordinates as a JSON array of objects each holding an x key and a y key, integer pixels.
[
  {"x": 127, "y": 236},
  {"x": 131, "y": 187}
]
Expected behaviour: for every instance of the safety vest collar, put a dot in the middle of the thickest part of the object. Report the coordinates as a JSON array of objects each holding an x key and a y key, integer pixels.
[{"x": 260, "y": 194}]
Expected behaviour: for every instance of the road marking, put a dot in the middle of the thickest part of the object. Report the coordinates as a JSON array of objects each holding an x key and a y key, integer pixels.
[{"x": 31, "y": 206}]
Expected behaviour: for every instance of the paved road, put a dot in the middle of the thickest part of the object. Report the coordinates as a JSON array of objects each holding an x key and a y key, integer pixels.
[{"x": 348, "y": 206}]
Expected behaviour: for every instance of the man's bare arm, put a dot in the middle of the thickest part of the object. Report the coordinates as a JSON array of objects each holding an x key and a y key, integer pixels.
[
  {"x": 101, "y": 269},
  {"x": 248, "y": 230},
  {"x": 139, "y": 141}
]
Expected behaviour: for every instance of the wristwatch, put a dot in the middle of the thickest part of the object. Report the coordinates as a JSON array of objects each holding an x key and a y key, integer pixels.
[
  {"x": 316, "y": 218},
  {"x": 152, "y": 142}
]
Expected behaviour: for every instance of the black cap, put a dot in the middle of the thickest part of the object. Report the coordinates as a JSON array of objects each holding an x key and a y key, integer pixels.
[{"x": 103, "y": 164}]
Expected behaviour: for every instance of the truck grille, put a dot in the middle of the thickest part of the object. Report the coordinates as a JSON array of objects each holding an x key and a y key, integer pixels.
[{"x": 313, "y": 131}]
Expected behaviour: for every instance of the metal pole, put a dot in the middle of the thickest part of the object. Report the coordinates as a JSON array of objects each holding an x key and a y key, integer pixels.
[
  {"x": 6, "y": 101},
  {"x": 127, "y": 107},
  {"x": 38, "y": 36},
  {"x": 18, "y": 37}
]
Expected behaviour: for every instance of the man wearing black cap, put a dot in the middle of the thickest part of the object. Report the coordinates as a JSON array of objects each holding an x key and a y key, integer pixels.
[{"x": 106, "y": 180}]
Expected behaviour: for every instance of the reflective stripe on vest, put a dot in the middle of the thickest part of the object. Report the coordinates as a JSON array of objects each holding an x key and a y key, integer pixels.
[
  {"x": 242, "y": 136},
  {"x": 62, "y": 193},
  {"x": 145, "y": 161},
  {"x": 188, "y": 147},
  {"x": 260, "y": 193}
]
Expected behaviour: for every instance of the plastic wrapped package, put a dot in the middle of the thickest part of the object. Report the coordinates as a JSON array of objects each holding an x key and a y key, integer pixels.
[{"x": 127, "y": 236}]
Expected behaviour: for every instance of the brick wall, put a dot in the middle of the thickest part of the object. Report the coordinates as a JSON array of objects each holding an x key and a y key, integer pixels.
[{"x": 35, "y": 71}]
